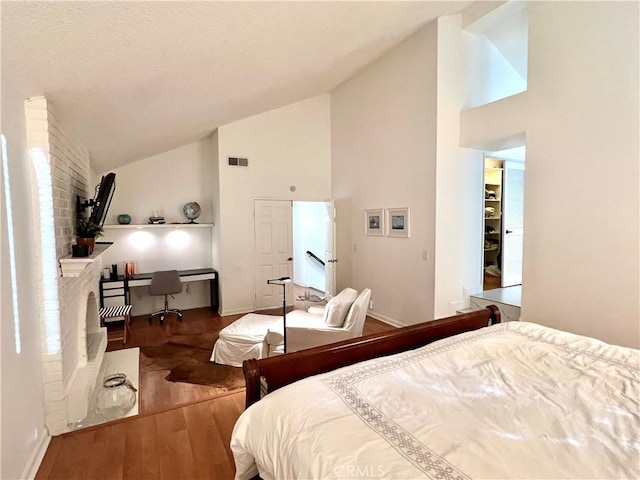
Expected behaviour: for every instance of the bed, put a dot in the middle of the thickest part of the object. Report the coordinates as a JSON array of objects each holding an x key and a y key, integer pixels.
[{"x": 449, "y": 399}]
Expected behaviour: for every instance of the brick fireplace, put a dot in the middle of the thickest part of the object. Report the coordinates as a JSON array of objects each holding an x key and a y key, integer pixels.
[
  {"x": 70, "y": 375},
  {"x": 73, "y": 341}
]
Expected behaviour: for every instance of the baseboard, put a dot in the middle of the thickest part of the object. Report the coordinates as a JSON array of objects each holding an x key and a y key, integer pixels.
[
  {"x": 385, "y": 319},
  {"x": 35, "y": 459},
  {"x": 224, "y": 313}
]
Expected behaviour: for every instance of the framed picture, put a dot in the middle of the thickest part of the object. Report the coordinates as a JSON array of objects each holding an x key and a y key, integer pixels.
[
  {"x": 398, "y": 222},
  {"x": 374, "y": 221}
]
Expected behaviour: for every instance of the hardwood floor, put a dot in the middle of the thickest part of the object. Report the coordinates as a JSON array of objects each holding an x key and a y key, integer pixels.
[
  {"x": 182, "y": 432},
  {"x": 190, "y": 442},
  {"x": 491, "y": 282},
  {"x": 157, "y": 394}
]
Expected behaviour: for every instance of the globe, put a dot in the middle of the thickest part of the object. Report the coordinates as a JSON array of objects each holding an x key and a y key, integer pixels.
[{"x": 192, "y": 211}]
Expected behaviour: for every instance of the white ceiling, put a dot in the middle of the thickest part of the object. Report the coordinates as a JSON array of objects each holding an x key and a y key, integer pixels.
[{"x": 133, "y": 79}]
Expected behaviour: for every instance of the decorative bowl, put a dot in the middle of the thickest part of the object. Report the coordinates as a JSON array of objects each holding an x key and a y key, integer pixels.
[{"x": 124, "y": 219}]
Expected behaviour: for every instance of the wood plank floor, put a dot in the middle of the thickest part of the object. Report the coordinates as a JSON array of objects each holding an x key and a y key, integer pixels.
[
  {"x": 157, "y": 394},
  {"x": 182, "y": 432}
]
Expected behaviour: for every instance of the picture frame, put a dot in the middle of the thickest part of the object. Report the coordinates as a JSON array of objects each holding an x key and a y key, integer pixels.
[
  {"x": 374, "y": 222},
  {"x": 398, "y": 222}
]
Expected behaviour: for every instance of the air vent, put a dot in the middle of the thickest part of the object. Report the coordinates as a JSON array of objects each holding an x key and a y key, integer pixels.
[{"x": 238, "y": 162}]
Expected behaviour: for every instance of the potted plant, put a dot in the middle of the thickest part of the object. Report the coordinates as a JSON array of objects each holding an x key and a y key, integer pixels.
[{"x": 87, "y": 232}]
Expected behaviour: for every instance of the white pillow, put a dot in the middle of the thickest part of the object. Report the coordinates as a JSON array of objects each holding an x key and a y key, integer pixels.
[
  {"x": 332, "y": 313},
  {"x": 342, "y": 303}
]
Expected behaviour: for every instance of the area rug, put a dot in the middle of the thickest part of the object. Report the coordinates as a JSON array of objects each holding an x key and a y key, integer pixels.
[{"x": 186, "y": 356}]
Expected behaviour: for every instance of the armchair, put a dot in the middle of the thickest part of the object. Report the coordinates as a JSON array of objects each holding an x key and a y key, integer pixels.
[{"x": 307, "y": 330}]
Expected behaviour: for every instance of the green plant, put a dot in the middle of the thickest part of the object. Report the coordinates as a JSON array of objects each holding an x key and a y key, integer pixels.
[{"x": 88, "y": 229}]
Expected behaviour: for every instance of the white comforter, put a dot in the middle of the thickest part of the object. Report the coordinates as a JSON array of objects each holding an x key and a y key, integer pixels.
[{"x": 515, "y": 400}]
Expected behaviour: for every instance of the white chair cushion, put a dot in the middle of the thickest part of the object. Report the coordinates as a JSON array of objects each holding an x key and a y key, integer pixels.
[
  {"x": 336, "y": 313},
  {"x": 316, "y": 309},
  {"x": 332, "y": 313},
  {"x": 347, "y": 297}
]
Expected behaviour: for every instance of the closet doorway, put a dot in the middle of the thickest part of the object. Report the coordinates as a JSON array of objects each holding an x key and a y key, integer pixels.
[{"x": 503, "y": 219}]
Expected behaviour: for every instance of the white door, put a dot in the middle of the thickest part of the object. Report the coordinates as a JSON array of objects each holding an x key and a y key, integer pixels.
[
  {"x": 330, "y": 264},
  {"x": 512, "y": 223},
  {"x": 273, "y": 251}
]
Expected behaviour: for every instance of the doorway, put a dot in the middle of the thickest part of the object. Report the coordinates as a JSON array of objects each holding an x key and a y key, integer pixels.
[
  {"x": 294, "y": 239},
  {"x": 503, "y": 218}
]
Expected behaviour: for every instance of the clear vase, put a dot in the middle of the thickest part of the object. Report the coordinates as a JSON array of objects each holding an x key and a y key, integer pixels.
[{"x": 116, "y": 397}]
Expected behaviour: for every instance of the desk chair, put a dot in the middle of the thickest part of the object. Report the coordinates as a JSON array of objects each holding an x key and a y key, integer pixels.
[{"x": 165, "y": 283}]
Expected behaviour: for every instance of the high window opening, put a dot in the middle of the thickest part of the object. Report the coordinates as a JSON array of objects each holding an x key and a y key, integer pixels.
[{"x": 498, "y": 50}]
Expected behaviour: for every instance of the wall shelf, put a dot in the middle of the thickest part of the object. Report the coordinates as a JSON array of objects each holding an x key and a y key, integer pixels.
[
  {"x": 141, "y": 226},
  {"x": 73, "y": 266}
]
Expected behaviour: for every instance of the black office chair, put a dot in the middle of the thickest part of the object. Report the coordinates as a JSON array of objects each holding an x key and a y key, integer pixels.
[{"x": 165, "y": 283}]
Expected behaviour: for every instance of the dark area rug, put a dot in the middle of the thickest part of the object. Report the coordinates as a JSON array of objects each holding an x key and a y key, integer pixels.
[{"x": 186, "y": 356}]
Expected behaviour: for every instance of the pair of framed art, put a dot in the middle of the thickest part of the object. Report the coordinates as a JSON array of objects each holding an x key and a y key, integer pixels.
[{"x": 393, "y": 222}]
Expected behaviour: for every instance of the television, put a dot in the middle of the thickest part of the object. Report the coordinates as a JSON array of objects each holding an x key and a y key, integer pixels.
[{"x": 101, "y": 200}]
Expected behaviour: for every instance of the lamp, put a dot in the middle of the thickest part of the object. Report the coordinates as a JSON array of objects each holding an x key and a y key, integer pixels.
[{"x": 282, "y": 281}]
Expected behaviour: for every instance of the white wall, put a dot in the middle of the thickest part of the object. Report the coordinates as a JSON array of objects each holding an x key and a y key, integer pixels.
[
  {"x": 216, "y": 238},
  {"x": 23, "y": 436},
  {"x": 289, "y": 146},
  {"x": 383, "y": 136},
  {"x": 164, "y": 182},
  {"x": 459, "y": 178},
  {"x": 581, "y": 264},
  {"x": 581, "y": 267}
]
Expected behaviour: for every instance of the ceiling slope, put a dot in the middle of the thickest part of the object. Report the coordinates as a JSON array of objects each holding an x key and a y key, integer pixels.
[{"x": 133, "y": 79}]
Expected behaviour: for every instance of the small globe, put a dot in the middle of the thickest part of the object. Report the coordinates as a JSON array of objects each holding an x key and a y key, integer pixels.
[{"x": 192, "y": 211}]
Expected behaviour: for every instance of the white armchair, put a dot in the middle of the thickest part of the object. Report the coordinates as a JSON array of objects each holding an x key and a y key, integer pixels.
[{"x": 307, "y": 330}]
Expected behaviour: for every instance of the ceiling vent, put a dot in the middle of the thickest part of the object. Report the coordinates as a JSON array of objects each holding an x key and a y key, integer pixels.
[{"x": 238, "y": 162}]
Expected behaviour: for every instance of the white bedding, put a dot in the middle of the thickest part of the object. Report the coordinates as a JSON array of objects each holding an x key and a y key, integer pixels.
[{"x": 515, "y": 400}]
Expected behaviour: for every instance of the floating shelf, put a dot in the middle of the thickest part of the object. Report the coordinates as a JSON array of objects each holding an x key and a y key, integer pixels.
[
  {"x": 73, "y": 266},
  {"x": 141, "y": 226}
]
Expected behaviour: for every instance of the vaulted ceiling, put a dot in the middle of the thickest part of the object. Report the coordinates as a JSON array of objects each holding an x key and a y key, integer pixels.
[{"x": 133, "y": 79}]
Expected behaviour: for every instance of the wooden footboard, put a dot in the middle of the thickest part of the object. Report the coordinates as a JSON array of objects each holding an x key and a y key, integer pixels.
[{"x": 269, "y": 374}]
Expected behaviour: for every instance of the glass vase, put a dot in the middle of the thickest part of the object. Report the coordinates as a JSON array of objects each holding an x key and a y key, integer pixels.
[{"x": 116, "y": 397}]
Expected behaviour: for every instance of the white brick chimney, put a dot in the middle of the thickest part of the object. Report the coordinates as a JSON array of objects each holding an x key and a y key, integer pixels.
[{"x": 73, "y": 341}]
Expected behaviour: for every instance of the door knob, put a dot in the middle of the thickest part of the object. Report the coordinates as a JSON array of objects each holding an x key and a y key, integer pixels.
[
  {"x": 289, "y": 259},
  {"x": 508, "y": 231}
]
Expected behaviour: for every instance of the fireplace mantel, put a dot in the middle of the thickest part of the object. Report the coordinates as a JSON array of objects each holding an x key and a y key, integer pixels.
[{"x": 73, "y": 266}]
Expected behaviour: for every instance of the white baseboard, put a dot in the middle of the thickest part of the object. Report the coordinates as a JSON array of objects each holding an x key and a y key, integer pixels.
[
  {"x": 455, "y": 306},
  {"x": 35, "y": 459},
  {"x": 224, "y": 313},
  {"x": 387, "y": 320}
]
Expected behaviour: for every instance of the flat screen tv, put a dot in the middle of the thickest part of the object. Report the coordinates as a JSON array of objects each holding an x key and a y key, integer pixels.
[{"x": 102, "y": 198}]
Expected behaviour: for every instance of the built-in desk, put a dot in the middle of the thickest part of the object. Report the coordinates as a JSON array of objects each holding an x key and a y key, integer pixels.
[{"x": 120, "y": 287}]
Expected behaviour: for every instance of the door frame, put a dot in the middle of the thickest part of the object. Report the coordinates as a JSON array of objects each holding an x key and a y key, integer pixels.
[{"x": 290, "y": 298}]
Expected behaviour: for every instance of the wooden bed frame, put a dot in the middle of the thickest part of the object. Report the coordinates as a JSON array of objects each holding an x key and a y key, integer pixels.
[{"x": 269, "y": 374}]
